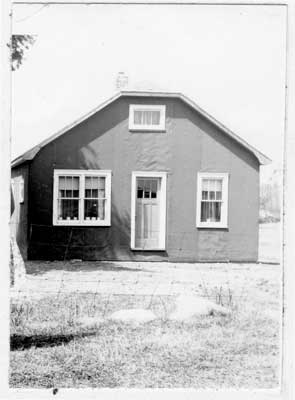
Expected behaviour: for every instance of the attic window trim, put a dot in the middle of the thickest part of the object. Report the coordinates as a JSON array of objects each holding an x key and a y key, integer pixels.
[
  {"x": 223, "y": 223},
  {"x": 82, "y": 198},
  {"x": 160, "y": 127}
]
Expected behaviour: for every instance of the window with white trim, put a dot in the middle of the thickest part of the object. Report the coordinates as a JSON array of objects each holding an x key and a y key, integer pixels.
[
  {"x": 82, "y": 197},
  {"x": 147, "y": 117},
  {"x": 212, "y": 200}
]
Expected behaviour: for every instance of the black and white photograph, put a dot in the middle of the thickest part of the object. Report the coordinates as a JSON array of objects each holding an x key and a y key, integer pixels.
[{"x": 147, "y": 176}]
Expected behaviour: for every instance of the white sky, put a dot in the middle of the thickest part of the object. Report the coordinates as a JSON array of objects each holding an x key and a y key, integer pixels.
[{"x": 229, "y": 59}]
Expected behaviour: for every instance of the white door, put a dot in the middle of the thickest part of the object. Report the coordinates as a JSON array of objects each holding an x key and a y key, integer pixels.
[{"x": 147, "y": 213}]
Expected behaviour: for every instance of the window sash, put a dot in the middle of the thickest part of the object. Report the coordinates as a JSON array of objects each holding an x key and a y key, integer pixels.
[{"x": 82, "y": 218}]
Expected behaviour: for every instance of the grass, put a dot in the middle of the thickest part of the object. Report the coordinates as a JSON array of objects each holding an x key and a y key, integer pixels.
[{"x": 49, "y": 348}]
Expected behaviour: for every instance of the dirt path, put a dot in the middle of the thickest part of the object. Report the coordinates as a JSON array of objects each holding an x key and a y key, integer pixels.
[{"x": 52, "y": 278}]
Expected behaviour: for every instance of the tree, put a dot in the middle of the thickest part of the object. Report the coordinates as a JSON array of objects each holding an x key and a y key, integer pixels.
[{"x": 19, "y": 45}]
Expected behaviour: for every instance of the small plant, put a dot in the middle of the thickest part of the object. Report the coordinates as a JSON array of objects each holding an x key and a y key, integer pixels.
[
  {"x": 220, "y": 295},
  {"x": 20, "y": 314}
]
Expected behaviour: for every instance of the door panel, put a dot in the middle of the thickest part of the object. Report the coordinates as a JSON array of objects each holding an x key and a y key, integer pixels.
[{"x": 147, "y": 217}]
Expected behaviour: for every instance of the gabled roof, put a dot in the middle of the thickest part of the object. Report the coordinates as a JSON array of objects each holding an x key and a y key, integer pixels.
[{"x": 30, "y": 154}]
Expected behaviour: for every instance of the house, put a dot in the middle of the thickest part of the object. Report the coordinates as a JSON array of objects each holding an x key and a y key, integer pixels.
[{"x": 144, "y": 176}]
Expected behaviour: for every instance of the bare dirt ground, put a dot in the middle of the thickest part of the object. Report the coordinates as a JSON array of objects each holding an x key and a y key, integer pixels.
[
  {"x": 45, "y": 278},
  {"x": 145, "y": 278}
]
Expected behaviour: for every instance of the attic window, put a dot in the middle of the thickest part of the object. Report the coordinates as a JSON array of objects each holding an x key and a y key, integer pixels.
[
  {"x": 82, "y": 197},
  {"x": 147, "y": 117}
]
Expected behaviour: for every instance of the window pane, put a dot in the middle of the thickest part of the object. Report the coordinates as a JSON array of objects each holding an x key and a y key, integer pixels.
[
  {"x": 218, "y": 196},
  {"x": 211, "y": 195},
  {"x": 156, "y": 117},
  {"x": 61, "y": 182},
  {"x": 218, "y": 185},
  {"x": 68, "y": 186},
  {"x": 210, "y": 211},
  {"x": 94, "y": 187},
  {"x": 147, "y": 118},
  {"x": 138, "y": 117},
  {"x": 101, "y": 183},
  {"x": 68, "y": 209},
  {"x": 94, "y": 209},
  {"x": 205, "y": 184},
  {"x": 88, "y": 183},
  {"x": 204, "y": 195},
  {"x": 88, "y": 193}
]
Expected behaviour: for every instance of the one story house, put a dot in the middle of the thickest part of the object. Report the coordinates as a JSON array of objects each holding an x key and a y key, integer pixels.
[{"x": 144, "y": 176}]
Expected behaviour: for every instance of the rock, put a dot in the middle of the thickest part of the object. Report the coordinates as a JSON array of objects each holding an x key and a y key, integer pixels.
[
  {"x": 89, "y": 321},
  {"x": 138, "y": 315},
  {"x": 188, "y": 306}
]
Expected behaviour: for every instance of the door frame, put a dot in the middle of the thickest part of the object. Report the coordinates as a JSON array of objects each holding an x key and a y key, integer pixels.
[{"x": 162, "y": 209}]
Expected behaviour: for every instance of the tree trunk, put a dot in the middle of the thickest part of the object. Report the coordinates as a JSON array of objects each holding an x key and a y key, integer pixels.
[{"x": 17, "y": 265}]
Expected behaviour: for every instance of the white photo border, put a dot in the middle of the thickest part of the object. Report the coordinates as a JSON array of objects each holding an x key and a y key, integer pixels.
[{"x": 287, "y": 390}]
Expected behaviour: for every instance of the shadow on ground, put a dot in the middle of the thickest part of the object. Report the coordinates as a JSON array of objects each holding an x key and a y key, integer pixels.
[
  {"x": 22, "y": 342},
  {"x": 42, "y": 267}
]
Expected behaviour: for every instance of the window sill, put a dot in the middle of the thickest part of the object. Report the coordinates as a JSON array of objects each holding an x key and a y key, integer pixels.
[
  {"x": 151, "y": 249},
  {"x": 80, "y": 223},
  {"x": 147, "y": 130},
  {"x": 212, "y": 226}
]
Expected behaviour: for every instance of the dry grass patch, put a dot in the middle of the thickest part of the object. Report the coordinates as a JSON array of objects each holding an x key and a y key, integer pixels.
[{"x": 50, "y": 349}]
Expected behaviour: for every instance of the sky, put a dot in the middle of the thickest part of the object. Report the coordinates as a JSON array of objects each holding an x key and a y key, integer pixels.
[{"x": 229, "y": 59}]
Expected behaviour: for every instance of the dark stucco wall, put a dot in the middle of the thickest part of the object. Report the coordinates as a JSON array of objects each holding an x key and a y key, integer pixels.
[{"x": 190, "y": 145}]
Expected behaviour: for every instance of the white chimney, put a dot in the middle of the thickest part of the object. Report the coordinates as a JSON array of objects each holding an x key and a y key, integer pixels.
[{"x": 121, "y": 81}]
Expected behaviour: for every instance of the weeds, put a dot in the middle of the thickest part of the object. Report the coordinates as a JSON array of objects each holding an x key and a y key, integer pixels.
[
  {"x": 221, "y": 296},
  {"x": 20, "y": 314},
  {"x": 51, "y": 348}
]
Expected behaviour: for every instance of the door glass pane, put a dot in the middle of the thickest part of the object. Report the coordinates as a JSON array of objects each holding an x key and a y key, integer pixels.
[
  {"x": 154, "y": 185},
  {"x": 140, "y": 188},
  {"x": 147, "y": 188}
]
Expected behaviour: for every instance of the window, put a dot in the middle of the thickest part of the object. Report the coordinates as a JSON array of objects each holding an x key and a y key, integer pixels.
[
  {"x": 147, "y": 117},
  {"x": 212, "y": 200},
  {"x": 18, "y": 189},
  {"x": 82, "y": 197}
]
